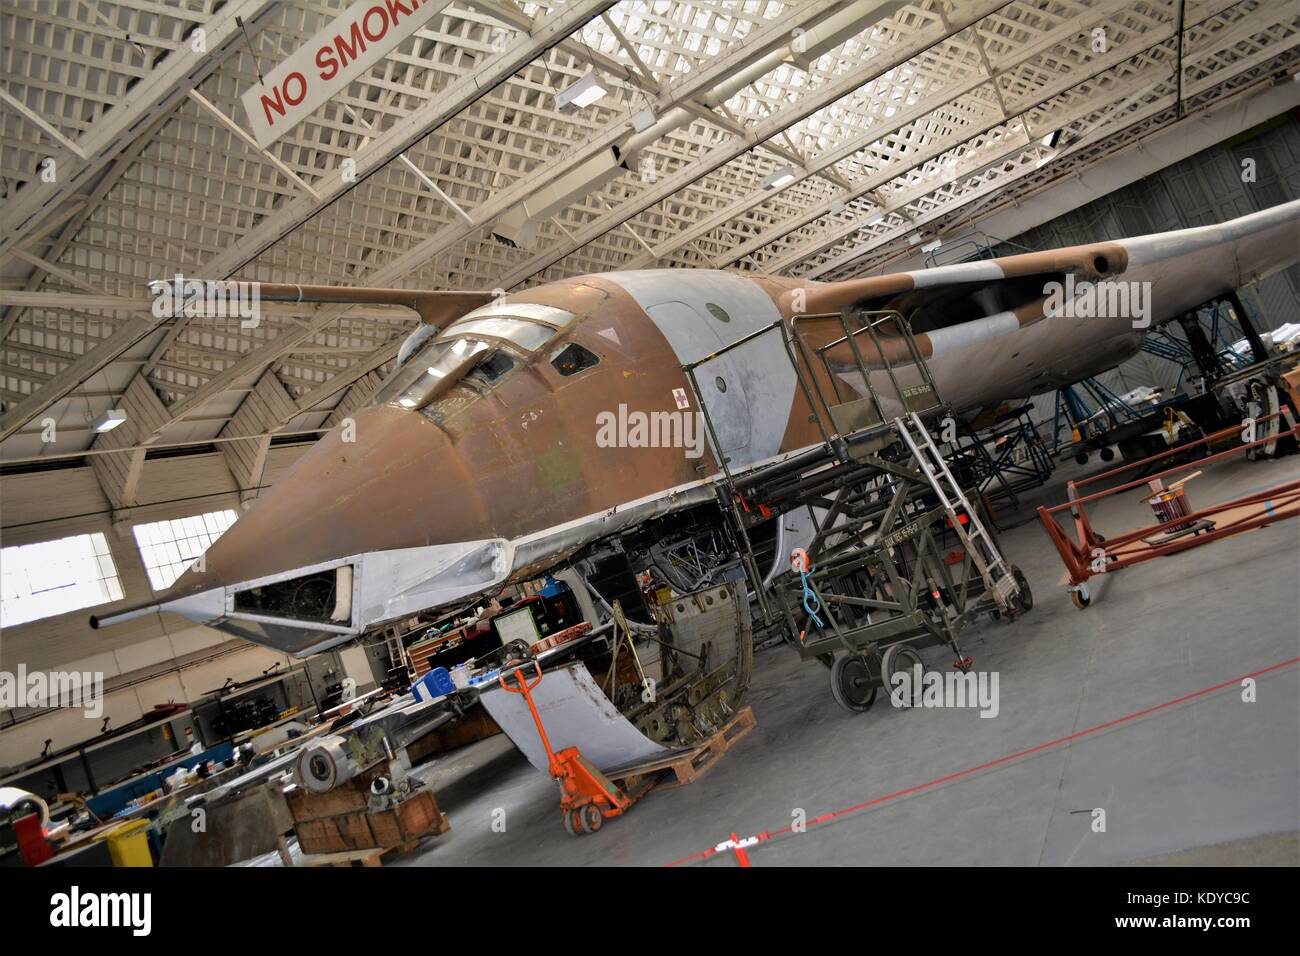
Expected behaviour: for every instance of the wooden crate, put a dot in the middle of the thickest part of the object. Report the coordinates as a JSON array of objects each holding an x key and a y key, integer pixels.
[
  {"x": 476, "y": 725},
  {"x": 338, "y": 821}
]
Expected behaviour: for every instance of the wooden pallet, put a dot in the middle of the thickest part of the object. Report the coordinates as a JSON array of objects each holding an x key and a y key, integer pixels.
[
  {"x": 681, "y": 769},
  {"x": 366, "y": 856}
]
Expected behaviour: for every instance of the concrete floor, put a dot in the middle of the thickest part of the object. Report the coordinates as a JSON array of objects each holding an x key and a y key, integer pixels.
[{"x": 1214, "y": 776}]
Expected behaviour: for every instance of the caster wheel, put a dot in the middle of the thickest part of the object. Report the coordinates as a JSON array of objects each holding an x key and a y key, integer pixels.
[
  {"x": 573, "y": 822},
  {"x": 900, "y": 659},
  {"x": 1107, "y": 454},
  {"x": 1025, "y": 599},
  {"x": 592, "y": 818},
  {"x": 851, "y": 683},
  {"x": 1081, "y": 599},
  {"x": 1081, "y": 458}
]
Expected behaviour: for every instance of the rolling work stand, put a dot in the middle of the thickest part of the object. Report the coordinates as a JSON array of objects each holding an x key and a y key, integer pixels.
[{"x": 876, "y": 582}]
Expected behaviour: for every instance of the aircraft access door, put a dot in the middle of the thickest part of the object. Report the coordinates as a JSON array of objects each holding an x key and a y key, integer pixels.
[{"x": 722, "y": 389}]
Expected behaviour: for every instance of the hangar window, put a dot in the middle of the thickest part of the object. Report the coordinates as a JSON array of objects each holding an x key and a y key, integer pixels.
[
  {"x": 572, "y": 359},
  {"x": 168, "y": 548},
  {"x": 55, "y": 577}
]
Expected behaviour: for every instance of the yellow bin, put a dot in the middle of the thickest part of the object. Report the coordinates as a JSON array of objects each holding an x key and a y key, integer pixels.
[{"x": 128, "y": 844}]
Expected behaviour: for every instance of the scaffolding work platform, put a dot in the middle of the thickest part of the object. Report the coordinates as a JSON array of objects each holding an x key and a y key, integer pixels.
[
  {"x": 897, "y": 555},
  {"x": 1004, "y": 459}
]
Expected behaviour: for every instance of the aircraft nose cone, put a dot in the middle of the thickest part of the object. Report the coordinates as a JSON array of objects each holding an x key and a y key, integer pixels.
[{"x": 393, "y": 481}]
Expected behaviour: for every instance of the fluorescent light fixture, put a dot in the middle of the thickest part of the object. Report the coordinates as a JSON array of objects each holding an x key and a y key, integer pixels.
[
  {"x": 1051, "y": 139},
  {"x": 581, "y": 94},
  {"x": 874, "y": 222},
  {"x": 643, "y": 120},
  {"x": 110, "y": 420},
  {"x": 778, "y": 178},
  {"x": 931, "y": 246}
]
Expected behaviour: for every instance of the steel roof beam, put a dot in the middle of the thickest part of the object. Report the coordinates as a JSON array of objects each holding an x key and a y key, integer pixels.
[
  {"x": 968, "y": 13},
  {"x": 159, "y": 92},
  {"x": 846, "y": 150},
  {"x": 402, "y": 135}
]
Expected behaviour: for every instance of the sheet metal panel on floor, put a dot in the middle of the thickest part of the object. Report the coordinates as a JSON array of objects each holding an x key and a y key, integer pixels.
[{"x": 576, "y": 714}]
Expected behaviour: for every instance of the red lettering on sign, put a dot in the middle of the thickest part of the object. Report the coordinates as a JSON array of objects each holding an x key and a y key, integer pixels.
[
  {"x": 373, "y": 35},
  {"x": 348, "y": 51},
  {"x": 333, "y": 57},
  {"x": 328, "y": 65},
  {"x": 302, "y": 88},
  {"x": 269, "y": 104}
]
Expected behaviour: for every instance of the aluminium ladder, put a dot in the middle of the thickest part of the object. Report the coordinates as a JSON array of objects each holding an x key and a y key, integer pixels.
[{"x": 998, "y": 579}]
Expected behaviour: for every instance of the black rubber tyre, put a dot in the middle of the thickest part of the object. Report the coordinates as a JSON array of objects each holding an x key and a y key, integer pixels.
[
  {"x": 1025, "y": 599},
  {"x": 851, "y": 683},
  {"x": 899, "y": 658}
]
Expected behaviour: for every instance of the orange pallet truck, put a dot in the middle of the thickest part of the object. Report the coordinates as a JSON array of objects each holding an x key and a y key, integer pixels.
[{"x": 587, "y": 796}]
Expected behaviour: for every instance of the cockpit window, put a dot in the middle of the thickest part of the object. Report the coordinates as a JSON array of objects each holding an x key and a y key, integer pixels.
[
  {"x": 412, "y": 343},
  {"x": 476, "y": 350},
  {"x": 489, "y": 369},
  {"x": 527, "y": 335},
  {"x": 548, "y": 314},
  {"x": 572, "y": 359},
  {"x": 413, "y": 390}
]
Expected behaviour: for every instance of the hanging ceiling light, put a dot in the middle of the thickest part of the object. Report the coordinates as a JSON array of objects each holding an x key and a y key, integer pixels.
[
  {"x": 581, "y": 94},
  {"x": 778, "y": 178},
  {"x": 110, "y": 420}
]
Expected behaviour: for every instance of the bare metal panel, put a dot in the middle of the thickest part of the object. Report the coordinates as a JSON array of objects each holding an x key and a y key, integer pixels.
[{"x": 575, "y": 714}]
